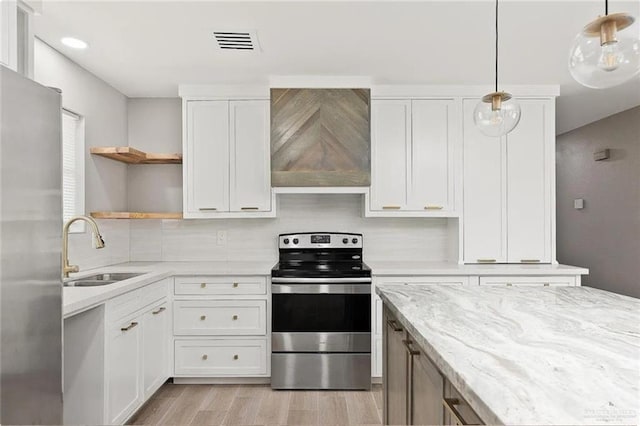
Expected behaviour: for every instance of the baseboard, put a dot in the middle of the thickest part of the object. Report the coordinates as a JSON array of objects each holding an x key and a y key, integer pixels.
[{"x": 222, "y": 380}]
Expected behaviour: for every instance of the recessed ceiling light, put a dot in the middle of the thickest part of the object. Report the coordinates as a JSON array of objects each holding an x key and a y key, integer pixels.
[{"x": 74, "y": 43}]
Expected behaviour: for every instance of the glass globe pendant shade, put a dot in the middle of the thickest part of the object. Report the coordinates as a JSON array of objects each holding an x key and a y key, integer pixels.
[
  {"x": 600, "y": 57},
  {"x": 496, "y": 114}
]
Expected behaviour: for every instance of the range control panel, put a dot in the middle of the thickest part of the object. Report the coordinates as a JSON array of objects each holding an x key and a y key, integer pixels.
[{"x": 320, "y": 240}]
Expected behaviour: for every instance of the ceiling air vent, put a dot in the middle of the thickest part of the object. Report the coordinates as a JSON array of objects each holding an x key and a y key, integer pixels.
[{"x": 236, "y": 40}]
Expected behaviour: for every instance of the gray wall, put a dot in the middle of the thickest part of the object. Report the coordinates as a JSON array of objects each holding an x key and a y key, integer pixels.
[{"x": 605, "y": 235}]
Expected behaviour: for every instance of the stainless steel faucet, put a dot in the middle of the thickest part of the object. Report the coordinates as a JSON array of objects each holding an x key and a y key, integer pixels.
[{"x": 99, "y": 242}]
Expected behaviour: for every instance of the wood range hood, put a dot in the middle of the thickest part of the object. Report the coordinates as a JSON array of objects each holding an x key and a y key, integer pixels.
[{"x": 320, "y": 137}]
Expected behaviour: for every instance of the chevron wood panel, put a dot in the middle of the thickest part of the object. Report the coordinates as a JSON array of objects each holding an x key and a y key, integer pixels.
[{"x": 320, "y": 137}]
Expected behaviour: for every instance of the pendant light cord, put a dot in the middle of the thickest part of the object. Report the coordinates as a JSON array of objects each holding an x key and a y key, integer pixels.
[{"x": 497, "y": 45}]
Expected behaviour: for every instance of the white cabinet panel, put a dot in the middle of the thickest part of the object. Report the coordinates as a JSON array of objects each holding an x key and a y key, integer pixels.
[
  {"x": 123, "y": 370},
  {"x": 528, "y": 209},
  {"x": 376, "y": 358},
  {"x": 203, "y": 286},
  {"x": 430, "y": 185},
  {"x": 537, "y": 281},
  {"x": 250, "y": 156},
  {"x": 155, "y": 349},
  {"x": 221, "y": 357},
  {"x": 220, "y": 317},
  {"x": 390, "y": 133},
  {"x": 9, "y": 34},
  {"x": 484, "y": 196},
  {"x": 207, "y": 157}
]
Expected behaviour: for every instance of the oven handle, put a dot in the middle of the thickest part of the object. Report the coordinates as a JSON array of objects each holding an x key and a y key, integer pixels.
[
  {"x": 278, "y": 280},
  {"x": 321, "y": 288}
]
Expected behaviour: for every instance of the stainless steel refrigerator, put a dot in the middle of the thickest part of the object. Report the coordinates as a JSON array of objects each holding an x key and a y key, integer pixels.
[{"x": 30, "y": 235}]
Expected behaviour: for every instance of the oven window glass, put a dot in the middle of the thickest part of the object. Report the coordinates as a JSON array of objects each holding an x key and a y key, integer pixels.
[{"x": 321, "y": 312}]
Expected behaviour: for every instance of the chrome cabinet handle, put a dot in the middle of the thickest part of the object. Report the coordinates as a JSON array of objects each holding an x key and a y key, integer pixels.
[
  {"x": 433, "y": 207},
  {"x": 450, "y": 405},
  {"x": 235, "y": 317},
  {"x": 235, "y": 285},
  {"x": 235, "y": 357},
  {"x": 162, "y": 309},
  {"x": 129, "y": 327},
  {"x": 249, "y": 208},
  {"x": 390, "y": 207},
  {"x": 486, "y": 260},
  {"x": 203, "y": 317},
  {"x": 407, "y": 344},
  {"x": 205, "y": 357},
  {"x": 394, "y": 325},
  {"x": 208, "y": 208}
]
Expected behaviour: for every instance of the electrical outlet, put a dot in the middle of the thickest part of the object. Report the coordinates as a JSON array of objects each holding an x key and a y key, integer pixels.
[{"x": 222, "y": 238}]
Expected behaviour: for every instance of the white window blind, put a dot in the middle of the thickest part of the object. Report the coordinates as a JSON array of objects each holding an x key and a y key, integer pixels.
[{"x": 72, "y": 168}]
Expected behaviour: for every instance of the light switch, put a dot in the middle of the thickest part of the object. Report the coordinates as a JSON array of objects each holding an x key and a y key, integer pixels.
[{"x": 578, "y": 204}]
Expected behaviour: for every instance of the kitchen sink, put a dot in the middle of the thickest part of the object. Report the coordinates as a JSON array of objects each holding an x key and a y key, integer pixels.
[{"x": 102, "y": 279}]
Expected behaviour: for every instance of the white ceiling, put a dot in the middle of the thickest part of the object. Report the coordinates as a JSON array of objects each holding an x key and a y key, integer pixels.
[{"x": 147, "y": 48}]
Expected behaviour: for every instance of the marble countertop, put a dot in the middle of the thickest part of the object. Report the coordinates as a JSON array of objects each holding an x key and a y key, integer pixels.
[
  {"x": 522, "y": 355},
  {"x": 452, "y": 268},
  {"x": 79, "y": 299}
]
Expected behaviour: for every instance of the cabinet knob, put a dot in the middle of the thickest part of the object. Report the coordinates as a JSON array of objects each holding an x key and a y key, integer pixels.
[
  {"x": 235, "y": 285},
  {"x": 235, "y": 317},
  {"x": 509, "y": 285},
  {"x": 203, "y": 317},
  {"x": 203, "y": 285},
  {"x": 205, "y": 357},
  {"x": 235, "y": 357}
]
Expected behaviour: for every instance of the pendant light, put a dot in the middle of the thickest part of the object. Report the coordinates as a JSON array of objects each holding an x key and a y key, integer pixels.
[
  {"x": 497, "y": 113},
  {"x": 599, "y": 57}
]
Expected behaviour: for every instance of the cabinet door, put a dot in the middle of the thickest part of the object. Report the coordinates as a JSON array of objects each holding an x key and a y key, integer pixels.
[
  {"x": 207, "y": 158},
  {"x": 250, "y": 161},
  {"x": 395, "y": 373},
  {"x": 155, "y": 349},
  {"x": 390, "y": 133},
  {"x": 123, "y": 373},
  {"x": 484, "y": 195},
  {"x": 430, "y": 177},
  {"x": 528, "y": 189},
  {"x": 8, "y": 34},
  {"x": 427, "y": 386}
]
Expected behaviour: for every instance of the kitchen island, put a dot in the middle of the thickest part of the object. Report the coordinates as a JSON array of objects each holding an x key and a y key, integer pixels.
[{"x": 510, "y": 355}]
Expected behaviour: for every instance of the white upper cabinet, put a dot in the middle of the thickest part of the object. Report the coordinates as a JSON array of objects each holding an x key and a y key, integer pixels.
[
  {"x": 390, "y": 138},
  {"x": 412, "y": 158},
  {"x": 528, "y": 189},
  {"x": 8, "y": 34},
  {"x": 250, "y": 156},
  {"x": 508, "y": 182},
  {"x": 226, "y": 171}
]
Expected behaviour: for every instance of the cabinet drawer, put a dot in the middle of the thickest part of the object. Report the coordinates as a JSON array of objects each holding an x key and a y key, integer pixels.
[
  {"x": 541, "y": 281},
  {"x": 154, "y": 292},
  {"x": 220, "y": 317},
  {"x": 221, "y": 357},
  {"x": 426, "y": 280},
  {"x": 220, "y": 285}
]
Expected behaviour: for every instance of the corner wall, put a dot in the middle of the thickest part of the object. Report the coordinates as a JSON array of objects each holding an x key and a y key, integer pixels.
[{"x": 605, "y": 235}]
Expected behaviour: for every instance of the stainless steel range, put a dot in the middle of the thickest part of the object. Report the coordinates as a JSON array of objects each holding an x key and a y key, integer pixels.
[{"x": 321, "y": 313}]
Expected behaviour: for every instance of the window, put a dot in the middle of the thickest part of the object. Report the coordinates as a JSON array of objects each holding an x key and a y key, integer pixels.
[{"x": 72, "y": 168}]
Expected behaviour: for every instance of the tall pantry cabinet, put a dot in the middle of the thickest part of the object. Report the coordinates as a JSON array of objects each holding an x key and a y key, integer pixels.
[{"x": 508, "y": 188}]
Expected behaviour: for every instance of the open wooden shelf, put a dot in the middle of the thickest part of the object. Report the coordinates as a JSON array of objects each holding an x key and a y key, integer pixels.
[
  {"x": 135, "y": 215},
  {"x": 129, "y": 155}
]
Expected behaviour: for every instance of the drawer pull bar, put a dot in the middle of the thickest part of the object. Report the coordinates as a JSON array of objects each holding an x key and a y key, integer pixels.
[
  {"x": 486, "y": 261},
  {"x": 159, "y": 311},
  {"x": 546, "y": 284},
  {"x": 208, "y": 208},
  {"x": 205, "y": 357},
  {"x": 407, "y": 344},
  {"x": 433, "y": 207},
  {"x": 129, "y": 327},
  {"x": 394, "y": 325},
  {"x": 450, "y": 405},
  {"x": 235, "y": 357},
  {"x": 235, "y": 317},
  {"x": 235, "y": 285},
  {"x": 529, "y": 260},
  {"x": 203, "y": 317},
  {"x": 390, "y": 207},
  {"x": 203, "y": 285},
  {"x": 249, "y": 208}
]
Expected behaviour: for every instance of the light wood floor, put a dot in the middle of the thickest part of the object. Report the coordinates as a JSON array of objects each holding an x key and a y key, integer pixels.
[{"x": 258, "y": 405}]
